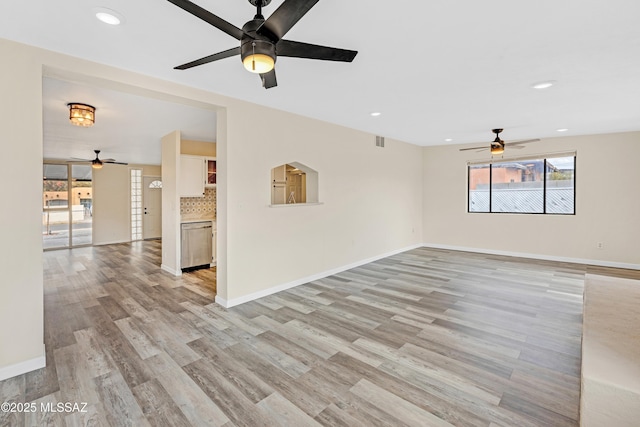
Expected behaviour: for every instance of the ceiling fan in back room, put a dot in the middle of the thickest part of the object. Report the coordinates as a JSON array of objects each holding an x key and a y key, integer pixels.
[
  {"x": 497, "y": 145},
  {"x": 261, "y": 41},
  {"x": 97, "y": 162}
]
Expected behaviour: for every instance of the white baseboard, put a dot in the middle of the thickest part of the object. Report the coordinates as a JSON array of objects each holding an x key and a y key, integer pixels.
[
  {"x": 23, "y": 367},
  {"x": 114, "y": 242},
  {"x": 536, "y": 256},
  {"x": 171, "y": 270},
  {"x": 275, "y": 289}
]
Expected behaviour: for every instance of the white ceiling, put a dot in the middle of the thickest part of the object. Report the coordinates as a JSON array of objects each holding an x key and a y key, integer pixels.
[
  {"x": 436, "y": 69},
  {"x": 128, "y": 127}
]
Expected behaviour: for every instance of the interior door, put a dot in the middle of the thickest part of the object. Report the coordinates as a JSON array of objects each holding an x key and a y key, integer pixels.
[{"x": 152, "y": 201}]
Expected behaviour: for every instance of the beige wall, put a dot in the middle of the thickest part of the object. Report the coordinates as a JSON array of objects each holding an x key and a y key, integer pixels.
[
  {"x": 198, "y": 148},
  {"x": 21, "y": 292},
  {"x": 371, "y": 199},
  {"x": 607, "y": 204},
  {"x": 111, "y": 202},
  {"x": 170, "y": 203}
]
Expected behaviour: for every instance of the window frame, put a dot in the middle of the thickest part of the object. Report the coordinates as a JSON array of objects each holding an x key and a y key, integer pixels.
[{"x": 544, "y": 158}]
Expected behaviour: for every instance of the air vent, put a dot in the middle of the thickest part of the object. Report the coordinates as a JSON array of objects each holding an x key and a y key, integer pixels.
[{"x": 380, "y": 141}]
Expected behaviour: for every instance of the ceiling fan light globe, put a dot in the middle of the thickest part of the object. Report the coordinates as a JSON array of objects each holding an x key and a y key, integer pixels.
[
  {"x": 496, "y": 150},
  {"x": 96, "y": 165},
  {"x": 258, "y": 63}
]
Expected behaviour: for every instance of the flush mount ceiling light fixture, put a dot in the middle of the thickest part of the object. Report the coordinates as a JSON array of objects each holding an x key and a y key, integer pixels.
[
  {"x": 108, "y": 16},
  {"x": 81, "y": 114},
  {"x": 543, "y": 85}
]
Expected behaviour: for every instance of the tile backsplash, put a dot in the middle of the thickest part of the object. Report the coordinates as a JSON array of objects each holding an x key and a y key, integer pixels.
[{"x": 196, "y": 207}]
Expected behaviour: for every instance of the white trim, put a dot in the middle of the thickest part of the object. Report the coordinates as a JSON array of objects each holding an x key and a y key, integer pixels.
[
  {"x": 24, "y": 367},
  {"x": 284, "y": 205},
  {"x": 278, "y": 288},
  {"x": 519, "y": 158},
  {"x": 170, "y": 270},
  {"x": 600, "y": 263},
  {"x": 114, "y": 242}
]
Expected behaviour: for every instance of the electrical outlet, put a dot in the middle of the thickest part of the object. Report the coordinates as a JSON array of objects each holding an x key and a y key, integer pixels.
[{"x": 600, "y": 245}]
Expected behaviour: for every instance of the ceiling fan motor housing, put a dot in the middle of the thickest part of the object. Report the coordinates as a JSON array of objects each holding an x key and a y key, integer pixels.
[{"x": 254, "y": 43}]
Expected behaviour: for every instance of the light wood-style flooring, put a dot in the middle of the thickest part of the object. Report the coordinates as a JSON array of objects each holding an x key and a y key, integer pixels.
[{"x": 425, "y": 338}]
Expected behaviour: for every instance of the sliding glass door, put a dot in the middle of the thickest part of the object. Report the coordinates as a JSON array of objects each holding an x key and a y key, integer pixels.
[{"x": 67, "y": 205}]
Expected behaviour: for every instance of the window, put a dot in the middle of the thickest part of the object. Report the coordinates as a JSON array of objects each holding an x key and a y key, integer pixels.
[
  {"x": 528, "y": 185},
  {"x": 136, "y": 204}
]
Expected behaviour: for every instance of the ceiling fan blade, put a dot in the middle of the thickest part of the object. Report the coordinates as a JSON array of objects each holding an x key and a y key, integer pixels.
[
  {"x": 526, "y": 141},
  {"x": 269, "y": 79},
  {"x": 113, "y": 162},
  {"x": 107, "y": 160},
  {"x": 77, "y": 159},
  {"x": 285, "y": 17},
  {"x": 209, "y": 17},
  {"x": 311, "y": 51},
  {"x": 216, "y": 56},
  {"x": 474, "y": 148}
]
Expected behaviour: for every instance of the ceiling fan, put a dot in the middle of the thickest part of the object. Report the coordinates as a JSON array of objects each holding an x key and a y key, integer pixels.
[
  {"x": 97, "y": 162},
  {"x": 261, "y": 41},
  {"x": 498, "y": 145}
]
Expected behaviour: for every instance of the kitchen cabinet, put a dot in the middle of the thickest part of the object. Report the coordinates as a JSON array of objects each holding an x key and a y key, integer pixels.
[
  {"x": 210, "y": 172},
  {"x": 192, "y": 176}
]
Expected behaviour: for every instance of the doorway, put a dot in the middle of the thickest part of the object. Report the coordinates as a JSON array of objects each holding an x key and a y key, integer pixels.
[
  {"x": 67, "y": 205},
  {"x": 152, "y": 200}
]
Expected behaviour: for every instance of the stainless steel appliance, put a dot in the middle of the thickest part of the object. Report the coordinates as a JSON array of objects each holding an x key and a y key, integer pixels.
[{"x": 196, "y": 244}]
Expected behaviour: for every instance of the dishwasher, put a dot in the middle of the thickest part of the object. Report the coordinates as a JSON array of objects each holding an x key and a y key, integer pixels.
[{"x": 196, "y": 244}]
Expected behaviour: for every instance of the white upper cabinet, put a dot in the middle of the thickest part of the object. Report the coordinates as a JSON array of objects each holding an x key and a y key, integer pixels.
[{"x": 192, "y": 176}]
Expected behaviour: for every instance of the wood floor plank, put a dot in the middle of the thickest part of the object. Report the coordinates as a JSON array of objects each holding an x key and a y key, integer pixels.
[
  {"x": 194, "y": 403},
  {"x": 285, "y": 413},
  {"x": 121, "y": 407},
  {"x": 157, "y": 405},
  {"x": 250, "y": 385},
  {"x": 396, "y": 406}
]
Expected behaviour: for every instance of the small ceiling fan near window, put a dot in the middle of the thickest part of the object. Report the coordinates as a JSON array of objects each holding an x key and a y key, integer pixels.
[
  {"x": 261, "y": 41},
  {"x": 497, "y": 146},
  {"x": 97, "y": 162}
]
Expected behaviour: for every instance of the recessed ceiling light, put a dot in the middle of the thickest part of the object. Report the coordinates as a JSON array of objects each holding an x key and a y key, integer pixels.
[
  {"x": 375, "y": 114},
  {"x": 543, "y": 85},
  {"x": 448, "y": 140},
  {"x": 562, "y": 130},
  {"x": 108, "y": 16}
]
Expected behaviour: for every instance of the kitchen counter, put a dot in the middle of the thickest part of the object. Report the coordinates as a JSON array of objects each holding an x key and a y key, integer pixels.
[{"x": 191, "y": 220}]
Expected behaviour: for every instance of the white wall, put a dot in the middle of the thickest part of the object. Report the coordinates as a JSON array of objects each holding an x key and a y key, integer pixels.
[
  {"x": 21, "y": 291},
  {"x": 111, "y": 202},
  {"x": 607, "y": 204},
  {"x": 171, "y": 203},
  {"x": 371, "y": 199}
]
